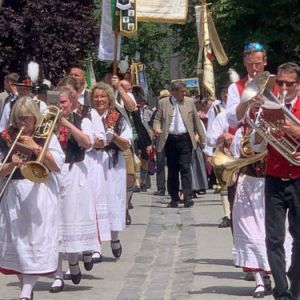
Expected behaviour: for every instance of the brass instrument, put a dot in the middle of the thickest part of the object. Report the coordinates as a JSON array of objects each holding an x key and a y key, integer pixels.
[
  {"x": 287, "y": 145},
  {"x": 226, "y": 167},
  {"x": 36, "y": 171},
  {"x": 5, "y": 184}
]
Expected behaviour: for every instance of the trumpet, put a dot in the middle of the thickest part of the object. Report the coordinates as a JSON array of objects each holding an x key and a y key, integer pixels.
[{"x": 287, "y": 145}]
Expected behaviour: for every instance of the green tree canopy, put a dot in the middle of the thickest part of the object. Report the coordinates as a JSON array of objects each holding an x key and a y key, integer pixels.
[{"x": 55, "y": 33}]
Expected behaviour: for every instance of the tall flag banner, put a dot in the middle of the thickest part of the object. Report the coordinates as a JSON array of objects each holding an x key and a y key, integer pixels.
[
  {"x": 208, "y": 70},
  {"x": 128, "y": 18},
  {"x": 163, "y": 11},
  {"x": 90, "y": 74},
  {"x": 107, "y": 34},
  {"x": 199, "y": 23},
  {"x": 215, "y": 41},
  {"x": 209, "y": 46}
]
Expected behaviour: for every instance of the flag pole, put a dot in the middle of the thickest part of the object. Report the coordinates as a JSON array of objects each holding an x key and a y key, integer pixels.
[
  {"x": 202, "y": 3},
  {"x": 116, "y": 40}
]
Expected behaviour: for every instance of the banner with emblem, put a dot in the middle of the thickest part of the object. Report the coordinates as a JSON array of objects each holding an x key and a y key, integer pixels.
[{"x": 163, "y": 11}]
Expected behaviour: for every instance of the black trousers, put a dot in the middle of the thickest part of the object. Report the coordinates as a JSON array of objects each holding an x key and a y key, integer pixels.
[
  {"x": 178, "y": 151},
  {"x": 160, "y": 171},
  {"x": 283, "y": 198}
]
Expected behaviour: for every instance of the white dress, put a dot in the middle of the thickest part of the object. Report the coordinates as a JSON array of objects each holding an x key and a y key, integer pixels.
[
  {"x": 29, "y": 228},
  {"x": 94, "y": 162},
  {"x": 115, "y": 184},
  {"x": 79, "y": 229},
  {"x": 248, "y": 220}
]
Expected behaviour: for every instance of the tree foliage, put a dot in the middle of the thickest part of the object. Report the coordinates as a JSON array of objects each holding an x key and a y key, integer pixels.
[
  {"x": 276, "y": 23},
  {"x": 55, "y": 33}
]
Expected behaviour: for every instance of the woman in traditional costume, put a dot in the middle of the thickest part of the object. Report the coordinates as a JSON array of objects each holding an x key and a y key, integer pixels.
[
  {"x": 78, "y": 212},
  {"x": 29, "y": 230},
  {"x": 118, "y": 139}
]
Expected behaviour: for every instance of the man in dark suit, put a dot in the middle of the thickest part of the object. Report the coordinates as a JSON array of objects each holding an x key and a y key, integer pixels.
[{"x": 178, "y": 128}]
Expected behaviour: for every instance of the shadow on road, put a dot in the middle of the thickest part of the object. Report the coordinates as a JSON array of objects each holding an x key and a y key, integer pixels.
[
  {"x": 222, "y": 275},
  {"x": 210, "y": 261},
  {"x": 227, "y": 290}
]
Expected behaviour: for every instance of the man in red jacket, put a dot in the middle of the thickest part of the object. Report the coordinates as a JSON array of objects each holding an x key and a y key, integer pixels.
[{"x": 282, "y": 193}]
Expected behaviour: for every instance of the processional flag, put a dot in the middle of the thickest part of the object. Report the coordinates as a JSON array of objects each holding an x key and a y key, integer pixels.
[
  {"x": 209, "y": 45},
  {"x": 159, "y": 11},
  {"x": 107, "y": 32}
]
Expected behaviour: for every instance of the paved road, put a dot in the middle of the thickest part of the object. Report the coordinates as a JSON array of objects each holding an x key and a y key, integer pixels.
[{"x": 167, "y": 254}]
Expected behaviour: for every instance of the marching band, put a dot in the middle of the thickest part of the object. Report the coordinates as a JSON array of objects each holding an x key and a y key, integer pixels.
[{"x": 67, "y": 177}]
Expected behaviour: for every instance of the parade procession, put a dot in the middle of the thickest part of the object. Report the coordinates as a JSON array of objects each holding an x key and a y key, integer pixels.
[{"x": 149, "y": 149}]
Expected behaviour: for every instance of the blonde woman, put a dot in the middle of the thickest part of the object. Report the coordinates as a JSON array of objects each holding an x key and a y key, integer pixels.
[{"x": 29, "y": 237}]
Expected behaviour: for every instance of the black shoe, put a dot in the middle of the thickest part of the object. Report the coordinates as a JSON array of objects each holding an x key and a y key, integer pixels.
[
  {"x": 136, "y": 189},
  {"x": 57, "y": 289},
  {"x": 226, "y": 222},
  {"x": 128, "y": 218},
  {"x": 98, "y": 259},
  {"x": 76, "y": 278},
  {"x": 188, "y": 203},
  {"x": 116, "y": 252},
  {"x": 173, "y": 204},
  {"x": 268, "y": 285},
  {"x": 130, "y": 206},
  {"x": 88, "y": 265},
  {"x": 143, "y": 188},
  {"x": 258, "y": 294},
  {"x": 159, "y": 193},
  {"x": 194, "y": 195},
  {"x": 201, "y": 192}
]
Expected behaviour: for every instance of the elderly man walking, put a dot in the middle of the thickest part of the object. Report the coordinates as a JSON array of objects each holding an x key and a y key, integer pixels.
[{"x": 178, "y": 128}]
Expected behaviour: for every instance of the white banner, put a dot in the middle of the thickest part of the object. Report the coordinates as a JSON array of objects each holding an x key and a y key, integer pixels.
[
  {"x": 107, "y": 35},
  {"x": 162, "y": 11},
  {"x": 208, "y": 70}
]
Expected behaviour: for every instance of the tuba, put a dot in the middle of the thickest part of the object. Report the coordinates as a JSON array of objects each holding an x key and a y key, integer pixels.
[
  {"x": 36, "y": 171},
  {"x": 226, "y": 167},
  {"x": 269, "y": 116}
]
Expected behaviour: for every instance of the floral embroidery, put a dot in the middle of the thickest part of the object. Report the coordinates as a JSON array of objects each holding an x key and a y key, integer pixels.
[
  {"x": 111, "y": 119},
  {"x": 8, "y": 136},
  {"x": 63, "y": 137}
]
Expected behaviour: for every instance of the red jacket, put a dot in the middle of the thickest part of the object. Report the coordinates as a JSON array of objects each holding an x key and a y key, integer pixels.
[{"x": 276, "y": 164}]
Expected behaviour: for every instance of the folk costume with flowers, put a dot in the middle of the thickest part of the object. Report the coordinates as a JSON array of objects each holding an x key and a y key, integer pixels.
[
  {"x": 115, "y": 169},
  {"x": 78, "y": 216},
  {"x": 29, "y": 229}
]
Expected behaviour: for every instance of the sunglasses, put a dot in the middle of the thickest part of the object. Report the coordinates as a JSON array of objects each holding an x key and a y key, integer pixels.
[
  {"x": 287, "y": 83},
  {"x": 254, "y": 47}
]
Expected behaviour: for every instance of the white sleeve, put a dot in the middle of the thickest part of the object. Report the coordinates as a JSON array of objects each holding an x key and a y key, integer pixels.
[
  {"x": 56, "y": 151},
  {"x": 233, "y": 101},
  {"x": 87, "y": 128},
  {"x": 4, "y": 122},
  {"x": 43, "y": 106},
  {"x": 98, "y": 126},
  {"x": 219, "y": 126},
  {"x": 236, "y": 142}
]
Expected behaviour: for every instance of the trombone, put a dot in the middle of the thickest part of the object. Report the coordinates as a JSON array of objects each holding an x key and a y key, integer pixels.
[
  {"x": 35, "y": 170},
  {"x": 6, "y": 159}
]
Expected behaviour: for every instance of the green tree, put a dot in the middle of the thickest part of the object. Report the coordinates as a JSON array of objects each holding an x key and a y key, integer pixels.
[
  {"x": 55, "y": 33},
  {"x": 276, "y": 23}
]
